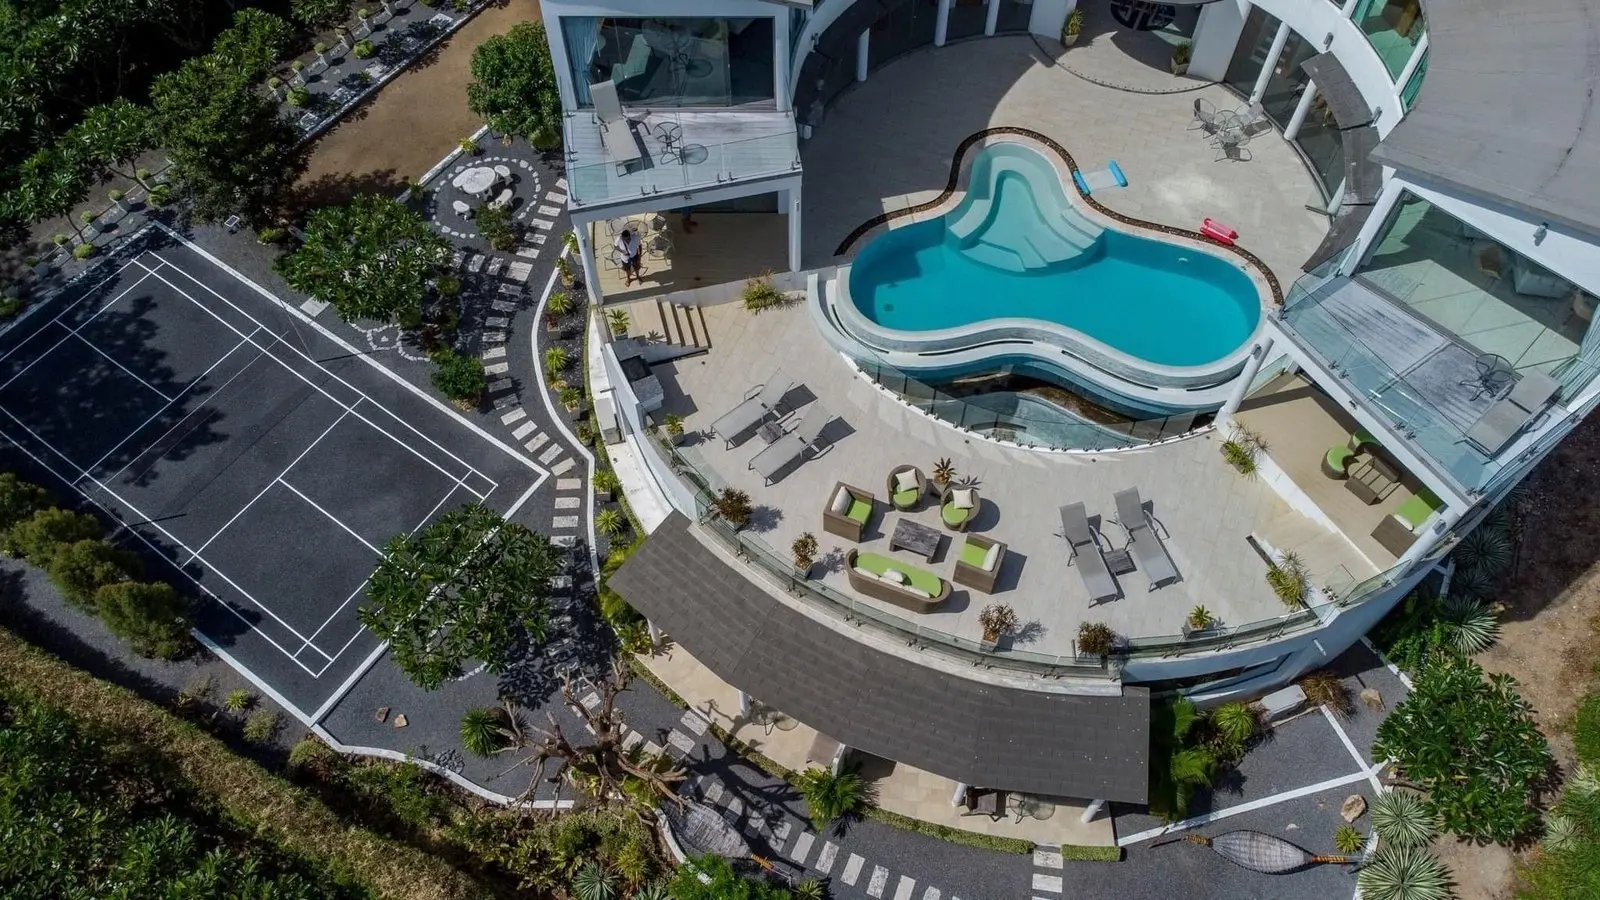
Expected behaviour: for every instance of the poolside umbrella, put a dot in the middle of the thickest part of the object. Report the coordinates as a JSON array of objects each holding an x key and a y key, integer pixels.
[
  {"x": 702, "y": 829},
  {"x": 1264, "y": 853}
]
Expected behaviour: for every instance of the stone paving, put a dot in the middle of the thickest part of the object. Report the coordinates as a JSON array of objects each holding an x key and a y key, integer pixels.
[{"x": 887, "y": 144}]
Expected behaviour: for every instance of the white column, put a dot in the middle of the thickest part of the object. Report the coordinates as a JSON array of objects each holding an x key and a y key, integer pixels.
[
  {"x": 861, "y": 54},
  {"x": 591, "y": 272},
  {"x": 655, "y": 634},
  {"x": 1300, "y": 110},
  {"x": 794, "y": 228},
  {"x": 1348, "y": 8},
  {"x": 991, "y": 19},
  {"x": 1271, "y": 64},
  {"x": 781, "y": 58},
  {"x": 744, "y": 704},
  {"x": 959, "y": 795},
  {"x": 941, "y": 27},
  {"x": 1090, "y": 811},
  {"x": 1258, "y": 355},
  {"x": 1216, "y": 37},
  {"x": 1430, "y": 538}
]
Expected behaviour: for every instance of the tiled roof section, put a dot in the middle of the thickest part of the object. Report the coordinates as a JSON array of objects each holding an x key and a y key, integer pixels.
[{"x": 1091, "y": 747}]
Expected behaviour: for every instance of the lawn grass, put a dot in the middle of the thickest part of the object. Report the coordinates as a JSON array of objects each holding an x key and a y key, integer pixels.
[{"x": 241, "y": 790}]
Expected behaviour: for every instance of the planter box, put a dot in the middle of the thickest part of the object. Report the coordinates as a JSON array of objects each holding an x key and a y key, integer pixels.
[
  {"x": 1179, "y": 68},
  {"x": 1068, "y": 40}
]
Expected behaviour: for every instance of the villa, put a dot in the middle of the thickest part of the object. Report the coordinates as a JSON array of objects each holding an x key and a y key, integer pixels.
[{"x": 1326, "y": 308}]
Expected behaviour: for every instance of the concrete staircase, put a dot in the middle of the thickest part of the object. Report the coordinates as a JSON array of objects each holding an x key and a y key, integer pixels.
[{"x": 670, "y": 323}]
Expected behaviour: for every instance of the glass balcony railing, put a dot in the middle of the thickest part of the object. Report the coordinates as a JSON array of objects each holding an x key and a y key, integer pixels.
[{"x": 698, "y": 156}]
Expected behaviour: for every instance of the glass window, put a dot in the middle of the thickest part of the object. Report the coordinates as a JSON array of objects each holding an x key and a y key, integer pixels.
[
  {"x": 1014, "y": 16},
  {"x": 1408, "y": 96},
  {"x": 672, "y": 62},
  {"x": 967, "y": 18},
  {"x": 907, "y": 26},
  {"x": 1393, "y": 28},
  {"x": 1288, "y": 81},
  {"x": 1320, "y": 139},
  {"x": 1250, "y": 53}
]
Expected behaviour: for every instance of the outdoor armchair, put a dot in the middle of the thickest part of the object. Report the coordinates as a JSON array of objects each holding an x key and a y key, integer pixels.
[
  {"x": 847, "y": 511},
  {"x": 978, "y": 562},
  {"x": 906, "y": 486}
]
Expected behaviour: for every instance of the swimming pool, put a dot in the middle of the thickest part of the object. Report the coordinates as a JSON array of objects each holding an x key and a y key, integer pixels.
[{"x": 1015, "y": 258}]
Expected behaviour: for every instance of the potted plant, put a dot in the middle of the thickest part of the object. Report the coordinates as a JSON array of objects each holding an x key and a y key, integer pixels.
[
  {"x": 944, "y": 472},
  {"x": 1073, "y": 27},
  {"x": 606, "y": 484},
  {"x": 674, "y": 425},
  {"x": 555, "y": 360},
  {"x": 618, "y": 321},
  {"x": 997, "y": 619},
  {"x": 1241, "y": 449},
  {"x": 1199, "y": 620},
  {"x": 321, "y": 49},
  {"x": 364, "y": 49},
  {"x": 1180, "y": 58},
  {"x": 569, "y": 277},
  {"x": 1096, "y": 639},
  {"x": 1288, "y": 579},
  {"x": 570, "y": 242},
  {"x": 805, "y": 553},
  {"x": 733, "y": 506},
  {"x": 572, "y": 399},
  {"x": 556, "y": 308}
]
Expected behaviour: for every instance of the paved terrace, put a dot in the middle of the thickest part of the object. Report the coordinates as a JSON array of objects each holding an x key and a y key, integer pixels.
[
  {"x": 887, "y": 144},
  {"x": 1206, "y": 508}
]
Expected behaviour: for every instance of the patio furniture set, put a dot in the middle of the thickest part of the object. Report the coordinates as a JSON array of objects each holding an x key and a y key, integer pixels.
[
  {"x": 480, "y": 182},
  {"x": 1099, "y": 567},
  {"x": 1229, "y": 129},
  {"x": 1360, "y": 464},
  {"x": 622, "y": 142},
  {"x": 764, "y": 411},
  {"x": 995, "y": 804}
]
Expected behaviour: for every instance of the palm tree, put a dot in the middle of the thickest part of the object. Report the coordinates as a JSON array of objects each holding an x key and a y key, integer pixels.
[
  {"x": 831, "y": 796},
  {"x": 610, "y": 522},
  {"x": 1236, "y": 722},
  {"x": 594, "y": 882}
]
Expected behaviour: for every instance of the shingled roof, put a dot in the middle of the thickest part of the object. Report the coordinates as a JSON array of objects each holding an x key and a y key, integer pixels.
[{"x": 975, "y": 732}]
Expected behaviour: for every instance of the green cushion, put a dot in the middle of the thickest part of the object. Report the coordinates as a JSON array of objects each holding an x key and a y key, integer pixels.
[
  {"x": 859, "y": 512},
  {"x": 906, "y": 498},
  {"x": 972, "y": 554},
  {"x": 1338, "y": 457},
  {"x": 954, "y": 515},
  {"x": 1362, "y": 436},
  {"x": 877, "y": 565},
  {"x": 1418, "y": 508}
]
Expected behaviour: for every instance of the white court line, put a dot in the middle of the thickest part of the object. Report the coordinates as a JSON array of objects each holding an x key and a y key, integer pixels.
[
  {"x": 87, "y": 293},
  {"x": 396, "y": 377},
  {"x": 162, "y": 411},
  {"x": 111, "y": 359},
  {"x": 329, "y": 620},
  {"x": 124, "y": 526},
  {"x": 331, "y": 517},
  {"x": 195, "y": 553},
  {"x": 1253, "y": 805},
  {"x": 1350, "y": 745},
  {"x": 277, "y": 339},
  {"x": 71, "y": 332}
]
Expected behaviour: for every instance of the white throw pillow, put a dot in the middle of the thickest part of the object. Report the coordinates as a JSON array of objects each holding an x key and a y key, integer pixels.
[
  {"x": 918, "y": 591},
  {"x": 991, "y": 557},
  {"x": 893, "y": 576},
  {"x": 905, "y": 481},
  {"x": 962, "y": 498},
  {"x": 841, "y": 501},
  {"x": 864, "y": 573}
]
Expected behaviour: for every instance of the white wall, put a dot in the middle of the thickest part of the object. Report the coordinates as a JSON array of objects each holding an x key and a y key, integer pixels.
[
  {"x": 1215, "y": 36},
  {"x": 1049, "y": 16}
]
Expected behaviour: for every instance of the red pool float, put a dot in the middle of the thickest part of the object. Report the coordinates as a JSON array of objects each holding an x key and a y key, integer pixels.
[{"x": 1219, "y": 232}]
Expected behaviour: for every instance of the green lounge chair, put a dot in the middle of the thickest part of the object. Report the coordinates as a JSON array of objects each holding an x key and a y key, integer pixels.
[
  {"x": 1336, "y": 463},
  {"x": 957, "y": 518},
  {"x": 1418, "y": 508}
]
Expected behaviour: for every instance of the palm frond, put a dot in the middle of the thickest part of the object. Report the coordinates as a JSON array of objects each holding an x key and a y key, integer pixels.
[
  {"x": 1403, "y": 819},
  {"x": 1473, "y": 626},
  {"x": 1560, "y": 833},
  {"x": 1486, "y": 551},
  {"x": 1404, "y": 873}
]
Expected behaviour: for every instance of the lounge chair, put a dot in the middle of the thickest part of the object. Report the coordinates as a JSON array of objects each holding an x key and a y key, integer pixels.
[
  {"x": 753, "y": 409},
  {"x": 848, "y": 511},
  {"x": 1506, "y": 418},
  {"x": 616, "y": 131},
  {"x": 788, "y": 448},
  {"x": 1143, "y": 542},
  {"x": 1086, "y": 553},
  {"x": 958, "y": 506},
  {"x": 906, "y": 487},
  {"x": 979, "y": 562}
]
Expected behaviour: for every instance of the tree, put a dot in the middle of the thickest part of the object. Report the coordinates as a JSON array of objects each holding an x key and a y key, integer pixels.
[
  {"x": 318, "y": 14},
  {"x": 151, "y": 616},
  {"x": 19, "y": 500},
  {"x": 38, "y": 537},
  {"x": 232, "y": 152},
  {"x": 1471, "y": 745},
  {"x": 82, "y": 568},
  {"x": 49, "y": 184},
  {"x": 467, "y": 587},
  {"x": 832, "y": 797},
  {"x": 514, "y": 85},
  {"x": 114, "y": 134},
  {"x": 372, "y": 259},
  {"x": 459, "y": 377},
  {"x": 255, "y": 43}
]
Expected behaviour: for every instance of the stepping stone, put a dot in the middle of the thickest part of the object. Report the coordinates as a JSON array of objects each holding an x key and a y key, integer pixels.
[
  {"x": 564, "y": 522},
  {"x": 734, "y": 810},
  {"x": 475, "y": 262},
  {"x": 313, "y": 307},
  {"x": 1048, "y": 883},
  {"x": 494, "y": 266},
  {"x": 496, "y": 321},
  {"x": 825, "y": 859},
  {"x": 781, "y": 831},
  {"x": 498, "y": 368},
  {"x": 565, "y": 540},
  {"x": 538, "y": 441},
  {"x": 494, "y": 337},
  {"x": 523, "y": 430},
  {"x": 550, "y": 454},
  {"x": 694, "y": 723},
  {"x": 457, "y": 258},
  {"x": 549, "y": 210},
  {"x": 903, "y": 889},
  {"x": 503, "y": 305},
  {"x": 554, "y": 197},
  {"x": 505, "y": 401},
  {"x": 537, "y": 239},
  {"x": 631, "y": 740},
  {"x": 1046, "y": 858},
  {"x": 852, "y": 869},
  {"x": 802, "y": 846},
  {"x": 515, "y": 414},
  {"x": 569, "y": 484},
  {"x": 529, "y": 252},
  {"x": 519, "y": 271},
  {"x": 681, "y": 742},
  {"x": 561, "y": 582},
  {"x": 543, "y": 223},
  {"x": 494, "y": 353},
  {"x": 568, "y": 503},
  {"x": 652, "y": 748},
  {"x": 499, "y": 384},
  {"x": 561, "y": 182},
  {"x": 561, "y": 467},
  {"x": 510, "y": 288}
]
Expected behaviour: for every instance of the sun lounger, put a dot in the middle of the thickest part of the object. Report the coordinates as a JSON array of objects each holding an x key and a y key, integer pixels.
[
  {"x": 788, "y": 448},
  {"x": 616, "y": 132},
  {"x": 1086, "y": 553},
  {"x": 1506, "y": 418},
  {"x": 1143, "y": 541},
  {"x": 766, "y": 398}
]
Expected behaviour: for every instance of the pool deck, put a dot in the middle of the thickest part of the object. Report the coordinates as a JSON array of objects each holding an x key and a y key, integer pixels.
[
  {"x": 1206, "y": 510},
  {"x": 887, "y": 144}
]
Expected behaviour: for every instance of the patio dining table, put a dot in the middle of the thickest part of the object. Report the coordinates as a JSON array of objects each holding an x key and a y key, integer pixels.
[{"x": 477, "y": 181}]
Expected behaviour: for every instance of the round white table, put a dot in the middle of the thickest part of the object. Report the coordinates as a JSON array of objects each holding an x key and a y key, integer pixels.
[{"x": 477, "y": 181}]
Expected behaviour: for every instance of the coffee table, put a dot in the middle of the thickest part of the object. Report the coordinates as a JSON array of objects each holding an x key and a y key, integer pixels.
[
  {"x": 1120, "y": 562},
  {"x": 916, "y": 538},
  {"x": 769, "y": 432}
]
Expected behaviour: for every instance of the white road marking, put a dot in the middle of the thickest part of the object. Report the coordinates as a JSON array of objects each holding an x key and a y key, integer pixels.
[
  {"x": 1050, "y": 883},
  {"x": 515, "y": 414},
  {"x": 852, "y": 869},
  {"x": 696, "y": 724},
  {"x": 569, "y": 484},
  {"x": 1351, "y": 747},
  {"x": 568, "y": 502},
  {"x": 561, "y": 467},
  {"x": 902, "y": 891},
  {"x": 1046, "y": 858},
  {"x": 564, "y": 522},
  {"x": 498, "y": 368},
  {"x": 1261, "y": 803},
  {"x": 494, "y": 353},
  {"x": 802, "y": 846}
]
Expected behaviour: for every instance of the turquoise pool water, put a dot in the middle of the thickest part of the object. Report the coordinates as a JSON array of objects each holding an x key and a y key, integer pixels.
[{"x": 1015, "y": 247}]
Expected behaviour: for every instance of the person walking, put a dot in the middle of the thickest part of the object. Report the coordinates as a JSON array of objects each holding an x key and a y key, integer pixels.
[{"x": 632, "y": 249}]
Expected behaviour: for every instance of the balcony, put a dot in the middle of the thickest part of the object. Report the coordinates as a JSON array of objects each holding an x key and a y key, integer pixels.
[{"x": 710, "y": 148}]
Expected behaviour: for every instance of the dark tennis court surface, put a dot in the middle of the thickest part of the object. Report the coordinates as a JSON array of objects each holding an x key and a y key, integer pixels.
[{"x": 265, "y": 459}]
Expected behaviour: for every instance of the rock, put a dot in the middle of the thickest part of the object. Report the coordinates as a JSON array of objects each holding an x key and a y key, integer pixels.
[
  {"x": 382, "y": 714},
  {"x": 1353, "y": 808},
  {"x": 1371, "y": 698},
  {"x": 400, "y": 722}
]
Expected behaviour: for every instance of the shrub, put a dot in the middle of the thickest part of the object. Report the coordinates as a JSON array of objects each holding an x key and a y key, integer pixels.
[
  {"x": 558, "y": 304},
  {"x": 1470, "y": 625},
  {"x": 831, "y": 797},
  {"x": 610, "y": 522},
  {"x": 310, "y": 753},
  {"x": 460, "y": 6},
  {"x": 86, "y": 217},
  {"x": 595, "y": 881},
  {"x": 997, "y": 619},
  {"x": 570, "y": 396},
  {"x": 38, "y": 537},
  {"x": 1349, "y": 839},
  {"x": 271, "y": 235},
  {"x": 60, "y": 239},
  {"x": 1408, "y": 873},
  {"x": 461, "y": 378},
  {"x": 555, "y": 359},
  {"x": 151, "y": 617},
  {"x": 1586, "y": 730},
  {"x": 274, "y": 83},
  {"x": 9, "y": 307},
  {"x": 1487, "y": 551},
  {"x": 1241, "y": 449},
  {"x": 83, "y": 567},
  {"x": 674, "y": 424},
  {"x": 804, "y": 550},
  {"x": 733, "y": 506},
  {"x": 1471, "y": 744},
  {"x": 1402, "y": 819},
  {"x": 617, "y": 320},
  {"x": 160, "y": 195},
  {"x": 363, "y": 49},
  {"x": 447, "y": 286},
  {"x": 19, "y": 500},
  {"x": 1096, "y": 639},
  {"x": 83, "y": 251},
  {"x": 468, "y": 145},
  {"x": 261, "y": 726},
  {"x": 239, "y": 700},
  {"x": 1288, "y": 579},
  {"x": 607, "y": 482},
  {"x": 320, "y": 47},
  {"x": 759, "y": 294},
  {"x": 116, "y": 195},
  {"x": 484, "y": 731},
  {"x": 298, "y": 97},
  {"x": 1235, "y": 722}
]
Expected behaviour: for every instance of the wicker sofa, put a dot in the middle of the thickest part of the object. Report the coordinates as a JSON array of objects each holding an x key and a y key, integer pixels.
[
  {"x": 851, "y": 521},
  {"x": 922, "y": 592},
  {"x": 970, "y": 568}
]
